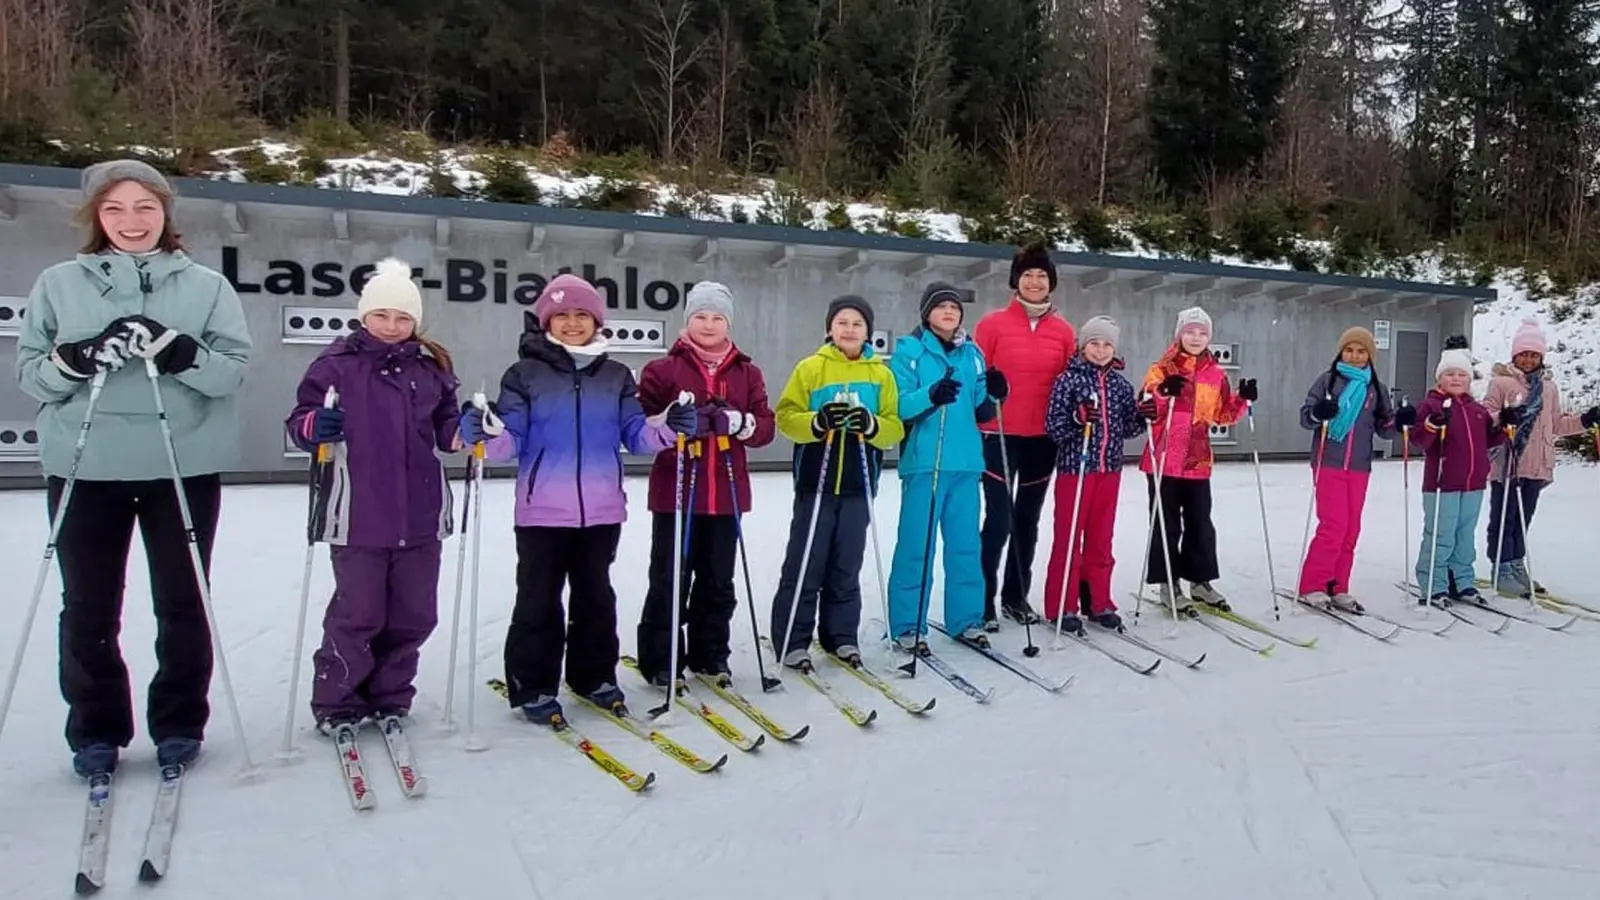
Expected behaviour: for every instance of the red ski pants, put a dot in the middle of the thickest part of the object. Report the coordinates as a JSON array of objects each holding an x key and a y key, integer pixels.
[
  {"x": 1332, "y": 554},
  {"x": 1090, "y": 548}
]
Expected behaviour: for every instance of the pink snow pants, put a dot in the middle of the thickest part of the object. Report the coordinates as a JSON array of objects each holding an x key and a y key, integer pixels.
[{"x": 1340, "y": 498}]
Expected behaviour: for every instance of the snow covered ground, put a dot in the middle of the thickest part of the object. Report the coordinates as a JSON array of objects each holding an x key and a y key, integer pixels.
[{"x": 1437, "y": 768}]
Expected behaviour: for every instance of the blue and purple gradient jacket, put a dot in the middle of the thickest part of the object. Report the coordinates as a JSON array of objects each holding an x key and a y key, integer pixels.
[{"x": 566, "y": 426}]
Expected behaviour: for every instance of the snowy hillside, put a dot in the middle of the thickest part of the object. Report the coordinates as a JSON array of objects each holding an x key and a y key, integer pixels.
[{"x": 1459, "y": 767}]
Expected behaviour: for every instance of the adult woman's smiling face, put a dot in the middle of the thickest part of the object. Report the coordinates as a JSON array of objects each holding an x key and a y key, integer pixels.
[{"x": 132, "y": 217}]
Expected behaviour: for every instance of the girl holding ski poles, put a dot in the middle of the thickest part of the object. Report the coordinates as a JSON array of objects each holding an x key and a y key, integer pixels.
[
  {"x": 1185, "y": 393},
  {"x": 839, "y": 404},
  {"x": 1456, "y": 436},
  {"x": 731, "y": 397},
  {"x": 944, "y": 391},
  {"x": 1524, "y": 397},
  {"x": 133, "y": 296},
  {"x": 383, "y": 499},
  {"x": 1092, "y": 411},
  {"x": 564, "y": 413},
  {"x": 1347, "y": 406}
]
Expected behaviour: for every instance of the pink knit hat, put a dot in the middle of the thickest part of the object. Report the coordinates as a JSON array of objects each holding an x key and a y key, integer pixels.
[
  {"x": 1528, "y": 339},
  {"x": 566, "y": 293}
]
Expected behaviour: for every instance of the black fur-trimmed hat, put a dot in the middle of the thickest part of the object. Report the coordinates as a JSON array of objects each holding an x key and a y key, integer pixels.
[{"x": 1033, "y": 256}]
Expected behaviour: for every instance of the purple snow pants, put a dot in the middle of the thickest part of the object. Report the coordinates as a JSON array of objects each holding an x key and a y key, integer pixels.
[{"x": 384, "y": 607}]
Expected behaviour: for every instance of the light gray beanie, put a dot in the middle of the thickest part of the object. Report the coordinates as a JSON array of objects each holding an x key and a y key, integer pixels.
[
  {"x": 99, "y": 175},
  {"x": 709, "y": 296},
  {"x": 1103, "y": 328}
]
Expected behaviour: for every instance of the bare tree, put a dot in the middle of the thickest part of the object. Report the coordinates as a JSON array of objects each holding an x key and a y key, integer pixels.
[
  {"x": 180, "y": 66},
  {"x": 710, "y": 131},
  {"x": 670, "y": 52},
  {"x": 38, "y": 49},
  {"x": 815, "y": 149},
  {"x": 1095, "y": 99},
  {"x": 1028, "y": 148},
  {"x": 927, "y": 151}
]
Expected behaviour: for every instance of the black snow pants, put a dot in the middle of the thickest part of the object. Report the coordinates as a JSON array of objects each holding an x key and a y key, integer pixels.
[
  {"x": 707, "y": 574},
  {"x": 830, "y": 593},
  {"x": 542, "y": 633}
]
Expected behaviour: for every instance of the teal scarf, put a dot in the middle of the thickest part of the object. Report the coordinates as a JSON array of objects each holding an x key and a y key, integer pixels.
[{"x": 1351, "y": 399}]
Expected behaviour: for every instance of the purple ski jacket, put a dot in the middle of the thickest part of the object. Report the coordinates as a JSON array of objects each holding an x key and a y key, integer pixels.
[
  {"x": 566, "y": 426},
  {"x": 385, "y": 485},
  {"x": 1469, "y": 434}
]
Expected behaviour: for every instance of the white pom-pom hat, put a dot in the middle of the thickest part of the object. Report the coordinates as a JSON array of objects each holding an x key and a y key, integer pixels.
[{"x": 391, "y": 287}]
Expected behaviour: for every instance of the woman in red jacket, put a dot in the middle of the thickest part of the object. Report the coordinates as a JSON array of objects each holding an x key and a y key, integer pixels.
[
  {"x": 732, "y": 399},
  {"x": 1030, "y": 343}
]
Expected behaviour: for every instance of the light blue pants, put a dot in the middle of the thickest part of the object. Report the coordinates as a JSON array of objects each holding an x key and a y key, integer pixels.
[
  {"x": 956, "y": 512},
  {"x": 1458, "y": 548}
]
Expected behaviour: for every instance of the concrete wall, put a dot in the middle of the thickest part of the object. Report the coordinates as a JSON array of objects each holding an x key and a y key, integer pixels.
[{"x": 293, "y": 266}]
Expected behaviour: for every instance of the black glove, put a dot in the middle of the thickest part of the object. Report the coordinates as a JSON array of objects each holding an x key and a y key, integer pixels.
[
  {"x": 1510, "y": 417},
  {"x": 1172, "y": 385},
  {"x": 945, "y": 390},
  {"x": 996, "y": 384},
  {"x": 172, "y": 351},
  {"x": 859, "y": 421},
  {"x": 325, "y": 425},
  {"x": 1437, "y": 420},
  {"x": 1325, "y": 409},
  {"x": 1147, "y": 407},
  {"x": 1405, "y": 416},
  {"x": 1591, "y": 418},
  {"x": 830, "y": 417},
  {"x": 1248, "y": 390},
  {"x": 107, "y": 351}
]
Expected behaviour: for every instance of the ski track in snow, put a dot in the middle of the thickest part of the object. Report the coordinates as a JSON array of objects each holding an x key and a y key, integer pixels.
[{"x": 1433, "y": 768}]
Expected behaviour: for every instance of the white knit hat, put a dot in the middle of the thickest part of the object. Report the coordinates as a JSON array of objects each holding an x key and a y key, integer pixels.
[
  {"x": 1194, "y": 315},
  {"x": 391, "y": 287},
  {"x": 1454, "y": 361}
]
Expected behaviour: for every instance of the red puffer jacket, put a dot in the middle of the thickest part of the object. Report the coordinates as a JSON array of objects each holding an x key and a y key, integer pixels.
[
  {"x": 1030, "y": 354},
  {"x": 740, "y": 385}
]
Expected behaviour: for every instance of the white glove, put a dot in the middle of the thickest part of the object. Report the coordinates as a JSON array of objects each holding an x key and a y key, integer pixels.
[
  {"x": 735, "y": 420},
  {"x": 146, "y": 343},
  {"x": 492, "y": 425}
]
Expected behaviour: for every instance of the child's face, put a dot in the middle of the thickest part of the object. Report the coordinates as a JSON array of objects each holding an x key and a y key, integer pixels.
[
  {"x": 1194, "y": 340},
  {"x": 945, "y": 318},
  {"x": 1099, "y": 351},
  {"x": 1355, "y": 354},
  {"x": 572, "y": 327},
  {"x": 708, "y": 329},
  {"x": 1455, "y": 382},
  {"x": 390, "y": 325},
  {"x": 848, "y": 331},
  {"x": 1528, "y": 360}
]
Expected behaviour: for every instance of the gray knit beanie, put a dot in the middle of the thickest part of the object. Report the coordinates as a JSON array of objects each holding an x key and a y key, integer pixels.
[
  {"x": 709, "y": 296},
  {"x": 99, "y": 175}
]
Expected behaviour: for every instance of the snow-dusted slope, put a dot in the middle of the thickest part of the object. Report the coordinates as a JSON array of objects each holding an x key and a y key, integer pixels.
[{"x": 1438, "y": 768}]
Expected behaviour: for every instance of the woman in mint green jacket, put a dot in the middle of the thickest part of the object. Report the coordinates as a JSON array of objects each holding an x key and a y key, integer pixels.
[{"x": 133, "y": 295}]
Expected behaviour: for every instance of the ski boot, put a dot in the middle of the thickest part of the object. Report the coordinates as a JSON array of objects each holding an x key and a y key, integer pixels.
[
  {"x": 910, "y": 643},
  {"x": 328, "y": 726},
  {"x": 1346, "y": 603},
  {"x": 1513, "y": 580},
  {"x": 850, "y": 655},
  {"x": 1440, "y": 600},
  {"x": 717, "y": 673},
  {"x": 1020, "y": 613},
  {"x": 1108, "y": 620},
  {"x": 609, "y": 697},
  {"x": 177, "y": 751},
  {"x": 93, "y": 760},
  {"x": 976, "y": 637},
  {"x": 1070, "y": 624},
  {"x": 798, "y": 659},
  {"x": 1166, "y": 600},
  {"x": 1203, "y": 592},
  {"x": 1470, "y": 595},
  {"x": 991, "y": 622},
  {"x": 544, "y": 709}
]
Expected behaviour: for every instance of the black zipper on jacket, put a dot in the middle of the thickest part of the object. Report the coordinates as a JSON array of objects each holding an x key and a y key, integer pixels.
[{"x": 577, "y": 431}]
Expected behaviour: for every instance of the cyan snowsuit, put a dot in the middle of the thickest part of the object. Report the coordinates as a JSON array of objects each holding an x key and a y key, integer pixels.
[{"x": 921, "y": 359}]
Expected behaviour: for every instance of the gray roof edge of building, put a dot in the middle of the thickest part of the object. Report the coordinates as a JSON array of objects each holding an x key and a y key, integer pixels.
[{"x": 228, "y": 191}]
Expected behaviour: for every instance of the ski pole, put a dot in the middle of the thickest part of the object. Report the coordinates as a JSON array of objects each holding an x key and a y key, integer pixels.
[
  {"x": 872, "y": 525},
  {"x": 1506, "y": 471},
  {"x": 1522, "y": 520},
  {"x": 924, "y": 587},
  {"x": 1011, "y": 503},
  {"x": 767, "y": 683},
  {"x": 1072, "y": 530},
  {"x": 778, "y": 650},
  {"x": 1311, "y": 507},
  {"x": 1158, "y": 516},
  {"x": 1438, "y": 496},
  {"x": 1261, "y": 495},
  {"x": 679, "y": 452},
  {"x": 474, "y": 743},
  {"x": 95, "y": 388},
  {"x": 319, "y": 461},
  {"x": 1405, "y": 492},
  {"x": 474, "y": 457},
  {"x": 200, "y": 578}
]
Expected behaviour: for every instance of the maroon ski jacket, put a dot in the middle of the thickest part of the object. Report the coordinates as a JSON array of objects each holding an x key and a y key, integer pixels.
[{"x": 737, "y": 384}]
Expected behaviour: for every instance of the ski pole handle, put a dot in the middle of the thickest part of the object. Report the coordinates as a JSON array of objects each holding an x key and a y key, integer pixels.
[
  {"x": 329, "y": 400},
  {"x": 722, "y": 443},
  {"x": 480, "y": 401}
]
